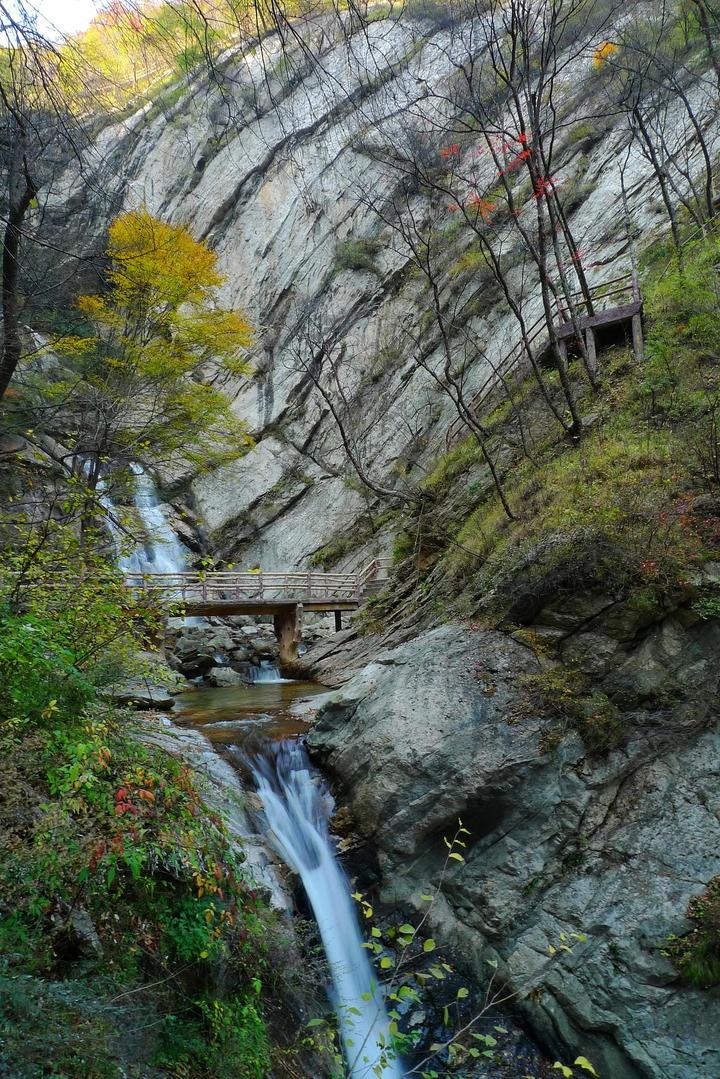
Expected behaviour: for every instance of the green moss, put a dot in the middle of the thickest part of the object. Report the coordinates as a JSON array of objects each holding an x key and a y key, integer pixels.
[
  {"x": 342, "y": 546},
  {"x": 456, "y": 462},
  {"x": 583, "y": 132},
  {"x": 563, "y": 696}
]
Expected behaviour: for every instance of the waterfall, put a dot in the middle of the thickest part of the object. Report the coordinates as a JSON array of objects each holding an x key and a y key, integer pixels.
[
  {"x": 297, "y": 811},
  {"x": 161, "y": 551},
  {"x": 267, "y": 673}
]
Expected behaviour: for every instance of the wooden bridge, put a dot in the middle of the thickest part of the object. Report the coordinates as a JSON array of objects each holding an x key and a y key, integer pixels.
[
  {"x": 614, "y": 305},
  {"x": 283, "y": 595}
]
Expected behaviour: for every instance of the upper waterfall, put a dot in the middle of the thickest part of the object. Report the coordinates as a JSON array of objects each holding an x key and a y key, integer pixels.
[{"x": 159, "y": 551}]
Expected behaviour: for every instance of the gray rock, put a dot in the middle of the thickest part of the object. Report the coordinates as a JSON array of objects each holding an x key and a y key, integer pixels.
[
  {"x": 611, "y": 848},
  {"x": 224, "y": 676},
  {"x": 84, "y": 933},
  {"x": 143, "y": 695}
]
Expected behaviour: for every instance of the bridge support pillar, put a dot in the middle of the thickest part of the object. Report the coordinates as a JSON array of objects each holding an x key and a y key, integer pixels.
[
  {"x": 287, "y": 631},
  {"x": 338, "y": 621}
]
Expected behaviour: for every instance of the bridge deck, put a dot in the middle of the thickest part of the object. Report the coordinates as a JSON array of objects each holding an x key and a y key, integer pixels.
[{"x": 241, "y": 606}]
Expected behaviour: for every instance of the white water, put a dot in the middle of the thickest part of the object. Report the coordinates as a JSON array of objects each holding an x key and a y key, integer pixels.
[
  {"x": 297, "y": 813},
  {"x": 267, "y": 674},
  {"x": 161, "y": 550}
]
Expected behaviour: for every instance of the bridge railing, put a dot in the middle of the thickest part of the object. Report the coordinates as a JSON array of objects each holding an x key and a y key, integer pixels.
[{"x": 296, "y": 587}]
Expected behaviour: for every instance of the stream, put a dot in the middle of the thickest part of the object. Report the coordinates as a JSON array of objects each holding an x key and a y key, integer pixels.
[
  {"x": 261, "y": 725},
  {"x": 259, "y": 728}
]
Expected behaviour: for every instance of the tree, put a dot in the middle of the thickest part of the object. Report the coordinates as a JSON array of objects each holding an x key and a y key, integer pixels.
[
  {"x": 142, "y": 382},
  {"x": 37, "y": 135}
]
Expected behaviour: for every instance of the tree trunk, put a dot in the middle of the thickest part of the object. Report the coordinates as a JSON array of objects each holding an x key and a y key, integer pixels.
[{"x": 12, "y": 344}]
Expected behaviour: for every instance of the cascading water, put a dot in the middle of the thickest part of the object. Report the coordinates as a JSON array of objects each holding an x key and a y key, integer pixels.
[
  {"x": 297, "y": 812},
  {"x": 161, "y": 552},
  {"x": 267, "y": 674}
]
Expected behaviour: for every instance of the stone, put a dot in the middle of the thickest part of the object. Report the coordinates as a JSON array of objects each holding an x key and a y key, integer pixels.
[
  {"x": 143, "y": 695},
  {"x": 85, "y": 934},
  {"x": 610, "y": 848},
  {"x": 224, "y": 676}
]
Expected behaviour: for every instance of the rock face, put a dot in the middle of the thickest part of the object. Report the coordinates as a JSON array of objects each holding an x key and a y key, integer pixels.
[
  {"x": 277, "y": 168},
  {"x": 611, "y": 847}
]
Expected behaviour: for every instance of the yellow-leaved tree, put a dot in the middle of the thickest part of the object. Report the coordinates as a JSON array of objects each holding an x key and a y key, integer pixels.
[{"x": 143, "y": 382}]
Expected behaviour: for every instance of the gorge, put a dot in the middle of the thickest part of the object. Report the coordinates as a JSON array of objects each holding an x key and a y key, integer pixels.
[{"x": 432, "y": 287}]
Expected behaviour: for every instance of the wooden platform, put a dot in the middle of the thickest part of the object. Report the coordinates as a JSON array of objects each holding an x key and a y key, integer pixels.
[{"x": 606, "y": 313}]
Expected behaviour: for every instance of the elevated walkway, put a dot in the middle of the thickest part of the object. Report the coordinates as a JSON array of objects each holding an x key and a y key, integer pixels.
[{"x": 285, "y": 596}]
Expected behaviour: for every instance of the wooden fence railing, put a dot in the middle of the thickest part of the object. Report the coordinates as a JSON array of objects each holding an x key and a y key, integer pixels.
[
  {"x": 604, "y": 295},
  {"x": 294, "y": 587}
]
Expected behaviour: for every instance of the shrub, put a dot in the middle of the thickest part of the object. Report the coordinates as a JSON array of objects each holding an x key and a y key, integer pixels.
[
  {"x": 38, "y": 676},
  {"x": 697, "y": 954},
  {"x": 358, "y": 255}
]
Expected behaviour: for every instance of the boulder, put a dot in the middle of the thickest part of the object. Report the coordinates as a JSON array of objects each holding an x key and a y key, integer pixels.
[
  {"x": 224, "y": 676},
  {"x": 600, "y": 855},
  {"x": 143, "y": 695}
]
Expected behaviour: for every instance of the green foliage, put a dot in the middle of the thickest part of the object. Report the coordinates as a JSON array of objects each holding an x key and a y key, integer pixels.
[
  {"x": 67, "y": 620},
  {"x": 707, "y": 605},
  {"x": 696, "y": 955},
  {"x": 120, "y": 833},
  {"x": 358, "y": 255},
  {"x": 142, "y": 384},
  {"x": 38, "y": 676},
  {"x": 98, "y": 831},
  {"x": 227, "y": 1039},
  {"x": 126, "y": 51},
  {"x": 56, "y": 1029}
]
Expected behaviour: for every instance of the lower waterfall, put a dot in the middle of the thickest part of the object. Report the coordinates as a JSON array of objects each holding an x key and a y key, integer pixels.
[{"x": 297, "y": 812}]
